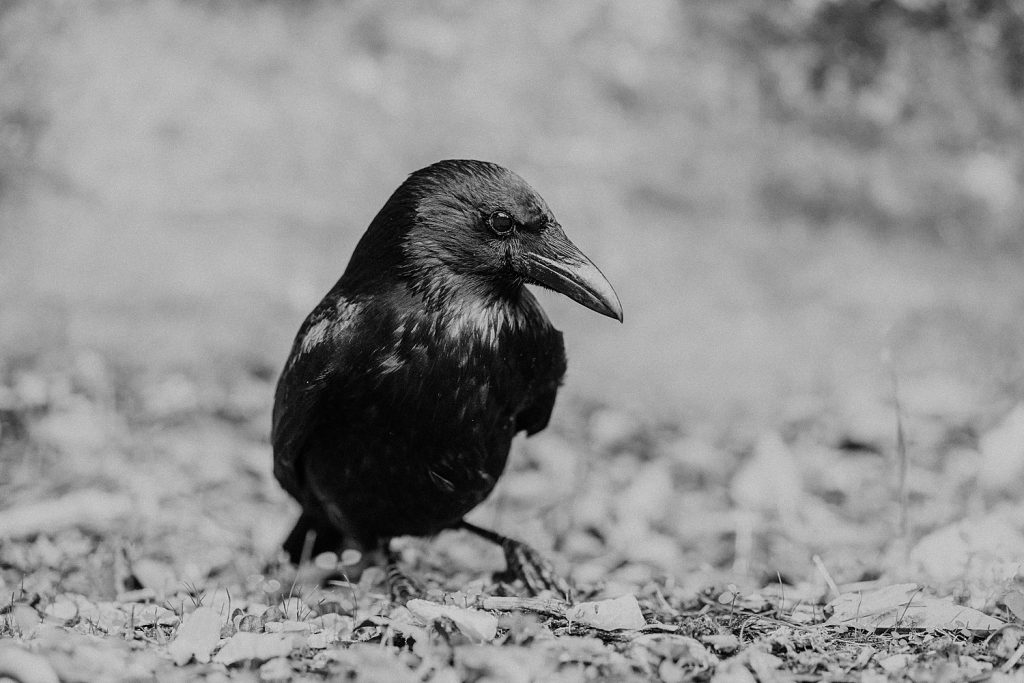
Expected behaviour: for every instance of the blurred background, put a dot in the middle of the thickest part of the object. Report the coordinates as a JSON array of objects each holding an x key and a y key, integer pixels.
[{"x": 798, "y": 202}]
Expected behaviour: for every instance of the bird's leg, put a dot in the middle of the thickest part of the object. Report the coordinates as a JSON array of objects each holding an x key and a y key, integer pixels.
[
  {"x": 525, "y": 563},
  {"x": 401, "y": 587}
]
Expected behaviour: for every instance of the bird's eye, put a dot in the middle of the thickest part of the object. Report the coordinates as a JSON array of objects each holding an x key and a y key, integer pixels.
[{"x": 501, "y": 223}]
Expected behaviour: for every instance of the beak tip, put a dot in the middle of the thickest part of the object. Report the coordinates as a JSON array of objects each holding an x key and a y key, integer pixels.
[{"x": 615, "y": 306}]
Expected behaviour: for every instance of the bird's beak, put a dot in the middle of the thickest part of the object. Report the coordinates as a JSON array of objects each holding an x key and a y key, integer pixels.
[{"x": 559, "y": 265}]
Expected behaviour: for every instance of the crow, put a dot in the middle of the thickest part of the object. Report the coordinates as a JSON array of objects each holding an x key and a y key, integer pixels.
[{"x": 397, "y": 406}]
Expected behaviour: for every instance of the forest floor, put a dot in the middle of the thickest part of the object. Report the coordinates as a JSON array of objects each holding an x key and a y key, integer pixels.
[{"x": 142, "y": 525}]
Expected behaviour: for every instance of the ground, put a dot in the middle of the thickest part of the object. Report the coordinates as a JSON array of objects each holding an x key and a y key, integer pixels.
[{"x": 811, "y": 212}]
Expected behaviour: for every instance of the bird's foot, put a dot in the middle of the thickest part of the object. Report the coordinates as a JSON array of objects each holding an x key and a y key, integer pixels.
[
  {"x": 526, "y": 564},
  {"x": 401, "y": 586},
  {"x": 534, "y": 570}
]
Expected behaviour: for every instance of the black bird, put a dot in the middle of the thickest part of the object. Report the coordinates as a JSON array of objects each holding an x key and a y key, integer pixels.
[{"x": 396, "y": 409}]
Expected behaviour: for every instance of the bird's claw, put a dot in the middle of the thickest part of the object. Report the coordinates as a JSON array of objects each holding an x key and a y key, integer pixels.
[
  {"x": 534, "y": 570},
  {"x": 401, "y": 587}
]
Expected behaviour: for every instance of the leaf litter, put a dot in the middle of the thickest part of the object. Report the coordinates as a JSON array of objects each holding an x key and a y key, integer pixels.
[{"x": 697, "y": 557}]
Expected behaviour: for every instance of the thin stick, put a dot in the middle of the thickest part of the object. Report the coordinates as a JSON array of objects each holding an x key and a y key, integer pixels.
[
  {"x": 902, "y": 464},
  {"x": 823, "y": 570},
  {"x": 553, "y": 608},
  {"x": 1007, "y": 667}
]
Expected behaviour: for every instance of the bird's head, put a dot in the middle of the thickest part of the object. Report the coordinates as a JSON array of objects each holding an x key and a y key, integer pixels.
[{"x": 462, "y": 224}]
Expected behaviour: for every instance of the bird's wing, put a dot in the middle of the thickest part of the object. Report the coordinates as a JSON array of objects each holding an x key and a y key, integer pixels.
[
  {"x": 320, "y": 359},
  {"x": 536, "y": 414}
]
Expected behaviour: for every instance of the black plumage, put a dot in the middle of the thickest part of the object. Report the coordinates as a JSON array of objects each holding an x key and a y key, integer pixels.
[{"x": 406, "y": 384}]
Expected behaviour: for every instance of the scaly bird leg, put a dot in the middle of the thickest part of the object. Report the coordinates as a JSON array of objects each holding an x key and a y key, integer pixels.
[
  {"x": 524, "y": 563},
  {"x": 401, "y": 587}
]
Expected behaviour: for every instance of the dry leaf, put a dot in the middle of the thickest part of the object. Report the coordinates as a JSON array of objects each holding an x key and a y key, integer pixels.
[
  {"x": 288, "y": 626},
  {"x": 1014, "y": 601},
  {"x": 197, "y": 636},
  {"x": 478, "y": 625},
  {"x": 243, "y": 647},
  {"x": 608, "y": 615},
  {"x": 904, "y": 606}
]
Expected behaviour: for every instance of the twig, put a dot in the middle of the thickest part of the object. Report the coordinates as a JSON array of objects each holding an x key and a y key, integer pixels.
[
  {"x": 823, "y": 570},
  {"x": 899, "y": 619},
  {"x": 552, "y": 608},
  {"x": 901, "y": 459},
  {"x": 1012, "y": 661}
]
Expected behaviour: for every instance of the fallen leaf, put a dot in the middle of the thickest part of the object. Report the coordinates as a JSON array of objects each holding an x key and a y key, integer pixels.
[
  {"x": 904, "y": 606},
  {"x": 259, "y": 647},
  {"x": 197, "y": 636},
  {"x": 287, "y": 626},
  {"x": 1014, "y": 601},
  {"x": 608, "y": 615},
  {"x": 476, "y": 624}
]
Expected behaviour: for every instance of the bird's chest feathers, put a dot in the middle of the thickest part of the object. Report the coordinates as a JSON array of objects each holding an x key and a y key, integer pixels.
[
  {"x": 474, "y": 356},
  {"x": 475, "y": 322}
]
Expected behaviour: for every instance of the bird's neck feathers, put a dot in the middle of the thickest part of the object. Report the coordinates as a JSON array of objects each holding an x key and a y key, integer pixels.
[
  {"x": 471, "y": 317},
  {"x": 379, "y": 256},
  {"x": 404, "y": 242}
]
